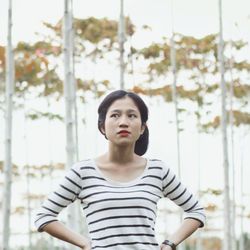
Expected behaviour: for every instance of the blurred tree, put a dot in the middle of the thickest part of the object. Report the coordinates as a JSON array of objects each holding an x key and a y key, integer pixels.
[
  {"x": 38, "y": 69},
  {"x": 8, "y": 111},
  {"x": 197, "y": 66}
]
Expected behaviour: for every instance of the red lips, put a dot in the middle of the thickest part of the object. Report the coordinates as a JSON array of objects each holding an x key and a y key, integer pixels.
[{"x": 124, "y": 132}]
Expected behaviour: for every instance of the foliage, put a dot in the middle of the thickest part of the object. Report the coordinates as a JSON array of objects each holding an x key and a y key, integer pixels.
[
  {"x": 246, "y": 238},
  {"x": 35, "y": 115},
  {"x": 15, "y": 170},
  {"x": 34, "y": 69},
  {"x": 239, "y": 118},
  {"x": 37, "y": 68},
  {"x": 212, "y": 243},
  {"x": 100, "y": 33},
  {"x": 2, "y": 57},
  {"x": 37, "y": 65},
  {"x": 197, "y": 66},
  {"x": 40, "y": 244}
]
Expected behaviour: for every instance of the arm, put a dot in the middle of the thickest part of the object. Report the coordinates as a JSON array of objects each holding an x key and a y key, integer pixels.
[
  {"x": 67, "y": 192},
  {"x": 188, "y": 227},
  {"x": 58, "y": 230},
  {"x": 194, "y": 216}
]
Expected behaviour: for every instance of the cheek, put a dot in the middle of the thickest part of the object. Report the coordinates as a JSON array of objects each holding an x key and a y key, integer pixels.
[
  {"x": 109, "y": 126},
  {"x": 138, "y": 127}
]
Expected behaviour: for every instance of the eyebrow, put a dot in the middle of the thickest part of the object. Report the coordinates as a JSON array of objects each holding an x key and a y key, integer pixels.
[{"x": 119, "y": 111}]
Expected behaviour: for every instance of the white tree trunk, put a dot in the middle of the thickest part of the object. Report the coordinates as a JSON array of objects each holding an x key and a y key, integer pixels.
[
  {"x": 121, "y": 44},
  {"x": 50, "y": 163},
  {"x": 69, "y": 103},
  {"x": 8, "y": 133},
  {"x": 81, "y": 224},
  {"x": 74, "y": 86},
  {"x": 227, "y": 228},
  {"x": 242, "y": 243},
  {"x": 231, "y": 121},
  {"x": 27, "y": 170},
  {"x": 198, "y": 245},
  {"x": 175, "y": 100}
]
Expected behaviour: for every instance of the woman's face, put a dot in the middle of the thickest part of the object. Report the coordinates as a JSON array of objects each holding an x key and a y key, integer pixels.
[{"x": 123, "y": 125}]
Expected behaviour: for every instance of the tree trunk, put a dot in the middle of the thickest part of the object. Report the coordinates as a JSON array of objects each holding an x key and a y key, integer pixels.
[
  {"x": 27, "y": 170},
  {"x": 121, "y": 44},
  {"x": 231, "y": 121},
  {"x": 242, "y": 242},
  {"x": 227, "y": 229},
  {"x": 81, "y": 223},
  {"x": 198, "y": 243},
  {"x": 69, "y": 104},
  {"x": 175, "y": 100},
  {"x": 8, "y": 133},
  {"x": 202, "y": 86}
]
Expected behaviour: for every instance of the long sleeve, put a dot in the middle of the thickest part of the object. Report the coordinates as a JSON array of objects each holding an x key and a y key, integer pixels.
[
  {"x": 181, "y": 196},
  {"x": 66, "y": 193}
]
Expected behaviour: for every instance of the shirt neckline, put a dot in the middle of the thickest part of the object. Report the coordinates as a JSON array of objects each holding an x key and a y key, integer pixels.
[{"x": 121, "y": 183}]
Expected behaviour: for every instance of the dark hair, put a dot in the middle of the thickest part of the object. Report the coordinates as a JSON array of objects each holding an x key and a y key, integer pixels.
[{"x": 141, "y": 144}]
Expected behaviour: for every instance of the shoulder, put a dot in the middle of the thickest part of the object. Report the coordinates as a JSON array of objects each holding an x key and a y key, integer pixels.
[
  {"x": 83, "y": 165},
  {"x": 157, "y": 163},
  {"x": 161, "y": 165}
]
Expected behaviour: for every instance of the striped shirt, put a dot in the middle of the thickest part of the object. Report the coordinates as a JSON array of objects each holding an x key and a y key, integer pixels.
[{"x": 119, "y": 215}]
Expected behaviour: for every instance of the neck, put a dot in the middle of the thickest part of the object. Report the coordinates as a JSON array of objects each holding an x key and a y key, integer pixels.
[{"x": 120, "y": 155}]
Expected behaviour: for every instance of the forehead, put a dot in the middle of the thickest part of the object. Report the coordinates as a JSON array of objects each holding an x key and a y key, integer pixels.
[{"x": 125, "y": 103}]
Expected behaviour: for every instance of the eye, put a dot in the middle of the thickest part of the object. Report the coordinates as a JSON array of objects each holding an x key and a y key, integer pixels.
[
  {"x": 132, "y": 115},
  {"x": 114, "y": 115}
]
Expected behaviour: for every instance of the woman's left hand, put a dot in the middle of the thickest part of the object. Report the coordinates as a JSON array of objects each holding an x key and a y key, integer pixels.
[{"x": 165, "y": 247}]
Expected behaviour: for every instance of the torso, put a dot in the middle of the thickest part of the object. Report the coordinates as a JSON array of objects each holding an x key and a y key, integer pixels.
[
  {"x": 120, "y": 203},
  {"x": 120, "y": 215}
]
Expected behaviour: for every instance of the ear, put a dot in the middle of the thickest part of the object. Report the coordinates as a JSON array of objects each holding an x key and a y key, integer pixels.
[
  {"x": 143, "y": 127},
  {"x": 102, "y": 130}
]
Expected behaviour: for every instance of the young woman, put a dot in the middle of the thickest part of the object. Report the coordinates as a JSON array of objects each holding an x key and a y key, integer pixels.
[{"x": 119, "y": 190}]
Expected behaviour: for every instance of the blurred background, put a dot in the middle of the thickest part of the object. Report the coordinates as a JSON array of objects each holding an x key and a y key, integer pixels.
[{"x": 188, "y": 60}]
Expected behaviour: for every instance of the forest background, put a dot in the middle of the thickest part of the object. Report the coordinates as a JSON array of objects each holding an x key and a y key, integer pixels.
[{"x": 38, "y": 130}]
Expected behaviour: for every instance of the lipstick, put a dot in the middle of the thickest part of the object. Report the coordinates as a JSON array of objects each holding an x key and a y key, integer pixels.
[{"x": 124, "y": 133}]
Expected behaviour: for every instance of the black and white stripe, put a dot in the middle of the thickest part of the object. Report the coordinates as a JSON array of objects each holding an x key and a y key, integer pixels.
[{"x": 119, "y": 215}]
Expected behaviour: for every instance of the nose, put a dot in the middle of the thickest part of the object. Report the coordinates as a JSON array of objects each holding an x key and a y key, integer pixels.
[{"x": 123, "y": 121}]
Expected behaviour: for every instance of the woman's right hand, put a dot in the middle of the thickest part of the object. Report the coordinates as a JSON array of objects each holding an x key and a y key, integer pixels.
[
  {"x": 86, "y": 245},
  {"x": 60, "y": 231}
]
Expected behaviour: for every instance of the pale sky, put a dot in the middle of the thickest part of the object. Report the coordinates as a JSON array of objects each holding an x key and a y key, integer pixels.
[
  {"x": 194, "y": 17},
  {"x": 191, "y": 17}
]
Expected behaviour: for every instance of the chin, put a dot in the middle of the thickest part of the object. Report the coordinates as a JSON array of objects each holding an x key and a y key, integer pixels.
[{"x": 124, "y": 144}]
